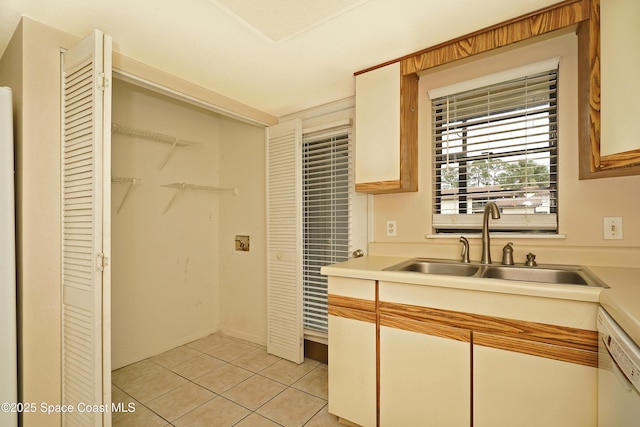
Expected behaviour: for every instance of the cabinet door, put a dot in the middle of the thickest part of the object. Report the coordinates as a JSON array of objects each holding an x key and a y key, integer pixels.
[
  {"x": 386, "y": 131},
  {"x": 352, "y": 350},
  {"x": 424, "y": 379},
  {"x": 378, "y": 125},
  {"x": 352, "y": 370},
  {"x": 511, "y": 388}
]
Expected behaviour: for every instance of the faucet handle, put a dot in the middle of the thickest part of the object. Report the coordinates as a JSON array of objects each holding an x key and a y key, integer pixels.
[
  {"x": 465, "y": 250},
  {"x": 507, "y": 254},
  {"x": 531, "y": 260}
]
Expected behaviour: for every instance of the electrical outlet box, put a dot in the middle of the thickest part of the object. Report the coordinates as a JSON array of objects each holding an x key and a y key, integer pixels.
[
  {"x": 612, "y": 228},
  {"x": 391, "y": 228}
]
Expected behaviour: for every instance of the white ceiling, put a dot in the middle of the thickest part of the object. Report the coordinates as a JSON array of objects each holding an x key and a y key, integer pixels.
[{"x": 279, "y": 56}]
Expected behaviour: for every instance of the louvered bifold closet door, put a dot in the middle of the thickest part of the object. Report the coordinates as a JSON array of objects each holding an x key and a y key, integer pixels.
[
  {"x": 86, "y": 109},
  {"x": 284, "y": 257}
]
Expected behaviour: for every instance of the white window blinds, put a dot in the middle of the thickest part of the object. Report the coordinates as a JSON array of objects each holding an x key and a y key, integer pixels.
[
  {"x": 326, "y": 181},
  {"x": 497, "y": 143}
]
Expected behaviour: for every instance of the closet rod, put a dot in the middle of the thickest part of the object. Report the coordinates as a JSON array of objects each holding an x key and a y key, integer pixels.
[
  {"x": 179, "y": 186},
  {"x": 154, "y": 136},
  {"x": 125, "y": 180}
]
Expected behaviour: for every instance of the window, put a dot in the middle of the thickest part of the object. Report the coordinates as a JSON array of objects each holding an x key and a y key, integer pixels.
[
  {"x": 497, "y": 141},
  {"x": 325, "y": 215}
]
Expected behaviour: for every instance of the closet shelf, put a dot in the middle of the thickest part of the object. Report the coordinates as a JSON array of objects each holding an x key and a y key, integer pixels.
[
  {"x": 154, "y": 136},
  {"x": 125, "y": 180},
  {"x": 180, "y": 186}
]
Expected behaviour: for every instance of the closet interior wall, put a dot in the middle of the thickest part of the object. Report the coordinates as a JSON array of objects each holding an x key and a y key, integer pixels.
[{"x": 166, "y": 268}]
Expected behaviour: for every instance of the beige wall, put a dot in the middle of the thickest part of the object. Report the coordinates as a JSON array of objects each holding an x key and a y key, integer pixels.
[
  {"x": 32, "y": 62},
  {"x": 164, "y": 284},
  {"x": 582, "y": 204},
  {"x": 243, "y": 309},
  {"x": 176, "y": 277}
]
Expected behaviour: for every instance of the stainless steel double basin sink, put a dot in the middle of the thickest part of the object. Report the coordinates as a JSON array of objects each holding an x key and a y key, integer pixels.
[{"x": 548, "y": 274}]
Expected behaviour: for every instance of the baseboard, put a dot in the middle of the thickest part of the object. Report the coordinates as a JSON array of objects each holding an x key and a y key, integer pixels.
[
  {"x": 230, "y": 332},
  {"x": 316, "y": 351},
  {"x": 131, "y": 358}
]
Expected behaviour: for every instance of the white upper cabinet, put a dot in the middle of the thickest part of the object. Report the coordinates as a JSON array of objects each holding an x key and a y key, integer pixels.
[
  {"x": 386, "y": 146},
  {"x": 378, "y": 124}
]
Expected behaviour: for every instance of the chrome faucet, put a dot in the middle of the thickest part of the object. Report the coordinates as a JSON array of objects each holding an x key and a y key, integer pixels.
[{"x": 492, "y": 208}]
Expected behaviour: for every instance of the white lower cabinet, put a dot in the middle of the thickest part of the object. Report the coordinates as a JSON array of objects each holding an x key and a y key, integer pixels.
[
  {"x": 352, "y": 350},
  {"x": 424, "y": 380},
  {"x": 352, "y": 370},
  {"x": 447, "y": 357},
  {"x": 511, "y": 388}
]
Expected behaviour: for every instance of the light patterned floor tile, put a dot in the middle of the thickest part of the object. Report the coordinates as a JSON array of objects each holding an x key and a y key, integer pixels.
[
  {"x": 195, "y": 389},
  {"x": 254, "y": 392},
  {"x": 292, "y": 408},
  {"x": 199, "y": 366},
  {"x": 179, "y": 401},
  {"x": 232, "y": 351},
  {"x": 218, "y": 412},
  {"x": 122, "y": 400},
  {"x": 324, "y": 419},
  {"x": 175, "y": 356},
  {"x": 155, "y": 386},
  {"x": 209, "y": 343},
  {"x": 224, "y": 378},
  {"x": 288, "y": 372},
  {"x": 255, "y": 420},
  {"x": 135, "y": 372},
  {"x": 142, "y": 416},
  {"x": 315, "y": 382},
  {"x": 257, "y": 360}
]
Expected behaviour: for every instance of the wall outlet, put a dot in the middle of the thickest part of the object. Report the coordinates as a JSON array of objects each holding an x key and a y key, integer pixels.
[
  {"x": 612, "y": 228},
  {"x": 391, "y": 228}
]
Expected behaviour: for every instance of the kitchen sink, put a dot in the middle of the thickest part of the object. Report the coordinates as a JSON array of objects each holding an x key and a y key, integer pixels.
[
  {"x": 568, "y": 275},
  {"x": 551, "y": 274},
  {"x": 443, "y": 267}
]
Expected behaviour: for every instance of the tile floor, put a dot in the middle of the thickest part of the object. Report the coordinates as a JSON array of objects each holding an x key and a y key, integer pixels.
[{"x": 221, "y": 381}]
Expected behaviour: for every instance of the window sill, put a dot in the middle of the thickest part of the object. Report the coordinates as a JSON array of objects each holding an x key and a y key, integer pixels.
[{"x": 497, "y": 235}]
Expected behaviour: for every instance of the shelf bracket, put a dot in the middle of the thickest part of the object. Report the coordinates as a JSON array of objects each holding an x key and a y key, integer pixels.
[{"x": 131, "y": 182}]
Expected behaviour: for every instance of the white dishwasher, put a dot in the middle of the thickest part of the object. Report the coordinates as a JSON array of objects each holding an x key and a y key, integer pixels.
[{"x": 618, "y": 375}]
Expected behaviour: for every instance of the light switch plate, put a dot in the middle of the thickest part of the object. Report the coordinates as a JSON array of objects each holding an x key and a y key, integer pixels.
[{"x": 612, "y": 228}]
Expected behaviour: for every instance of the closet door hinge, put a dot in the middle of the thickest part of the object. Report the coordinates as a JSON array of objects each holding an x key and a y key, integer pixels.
[
  {"x": 103, "y": 82},
  {"x": 101, "y": 261}
]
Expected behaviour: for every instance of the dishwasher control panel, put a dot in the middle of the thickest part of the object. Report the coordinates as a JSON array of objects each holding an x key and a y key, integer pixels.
[{"x": 624, "y": 352}]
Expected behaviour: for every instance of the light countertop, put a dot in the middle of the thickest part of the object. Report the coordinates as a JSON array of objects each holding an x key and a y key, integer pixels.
[{"x": 621, "y": 300}]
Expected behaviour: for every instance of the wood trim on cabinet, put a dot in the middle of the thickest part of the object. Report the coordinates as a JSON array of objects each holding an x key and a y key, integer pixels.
[
  {"x": 425, "y": 328},
  {"x": 562, "y": 343},
  {"x": 378, "y": 392},
  {"x": 573, "y": 345},
  {"x": 379, "y": 187},
  {"x": 352, "y": 308},
  {"x": 408, "y": 130},
  {"x": 353, "y": 314},
  {"x": 591, "y": 163},
  {"x": 556, "y": 352},
  {"x": 408, "y": 179},
  {"x": 552, "y": 18},
  {"x": 350, "y": 302},
  {"x": 625, "y": 163}
]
